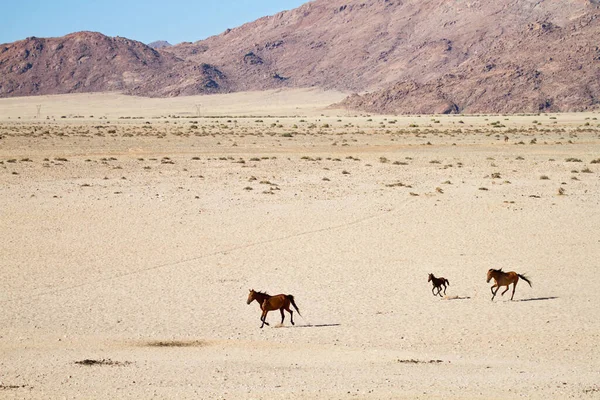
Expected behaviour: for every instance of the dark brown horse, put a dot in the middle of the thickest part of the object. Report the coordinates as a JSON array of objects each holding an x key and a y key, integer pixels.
[
  {"x": 504, "y": 279},
  {"x": 437, "y": 284},
  {"x": 270, "y": 303}
]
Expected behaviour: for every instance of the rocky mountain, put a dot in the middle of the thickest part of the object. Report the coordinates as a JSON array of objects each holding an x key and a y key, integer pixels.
[
  {"x": 92, "y": 62},
  {"x": 421, "y": 55},
  {"x": 159, "y": 44},
  {"x": 407, "y": 55}
]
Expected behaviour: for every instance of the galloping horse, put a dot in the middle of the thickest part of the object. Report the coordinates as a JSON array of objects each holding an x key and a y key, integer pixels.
[
  {"x": 270, "y": 303},
  {"x": 437, "y": 284},
  {"x": 504, "y": 279}
]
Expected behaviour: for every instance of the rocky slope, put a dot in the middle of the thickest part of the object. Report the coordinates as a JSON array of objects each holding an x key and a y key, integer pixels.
[
  {"x": 159, "y": 44},
  {"x": 421, "y": 56},
  {"x": 92, "y": 62}
]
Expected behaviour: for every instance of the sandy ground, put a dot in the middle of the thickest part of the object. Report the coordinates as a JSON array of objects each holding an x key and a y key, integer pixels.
[
  {"x": 133, "y": 242},
  {"x": 114, "y": 105}
]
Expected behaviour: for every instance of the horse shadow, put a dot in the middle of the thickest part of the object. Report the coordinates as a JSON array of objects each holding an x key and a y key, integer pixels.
[
  {"x": 540, "y": 298},
  {"x": 309, "y": 326},
  {"x": 455, "y": 298}
]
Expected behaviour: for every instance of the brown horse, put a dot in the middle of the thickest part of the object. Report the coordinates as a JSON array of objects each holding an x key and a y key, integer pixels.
[
  {"x": 437, "y": 284},
  {"x": 270, "y": 303},
  {"x": 504, "y": 279}
]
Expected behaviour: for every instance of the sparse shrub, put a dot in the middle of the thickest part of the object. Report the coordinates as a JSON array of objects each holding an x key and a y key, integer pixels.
[{"x": 544, "y": 177}]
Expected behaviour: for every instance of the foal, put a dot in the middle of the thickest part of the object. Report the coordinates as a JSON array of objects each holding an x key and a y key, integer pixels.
[
  {"x": 270, "y": 303},
  {"x": 437, "y": 284}
]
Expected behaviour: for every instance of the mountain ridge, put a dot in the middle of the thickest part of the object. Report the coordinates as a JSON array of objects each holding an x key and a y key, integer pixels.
[
  {"x": 92, "y": 62},
  {"x": 408, "y": 56}
]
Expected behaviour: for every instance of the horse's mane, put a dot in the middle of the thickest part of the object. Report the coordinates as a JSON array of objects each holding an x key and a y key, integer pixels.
[
  {"x": 497, "y": 270},
  {"x": 265, "y": 293}
]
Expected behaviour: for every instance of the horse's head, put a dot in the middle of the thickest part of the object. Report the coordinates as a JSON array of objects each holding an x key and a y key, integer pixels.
[
  {"x": 490, "y": 274},
  {"x": 430, "y": 278},
  {"x": 251, "y": 296}
]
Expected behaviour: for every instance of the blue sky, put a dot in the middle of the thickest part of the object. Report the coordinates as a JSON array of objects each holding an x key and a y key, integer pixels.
[{"x": 175, "y": 20}]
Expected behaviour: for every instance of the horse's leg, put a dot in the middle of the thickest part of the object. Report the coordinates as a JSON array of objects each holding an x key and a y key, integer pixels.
[
  {"x": 291, "y": 315},
  {"x": 264, "y": 318},
  {"x": 432, "y": 291},
  {"x": 514, "y": 288},
  {"x": 494, "y": 293},
  {"x": 440, "y": 290},
  {"x": 444, "y": 288},
  {"x": 282, "y": 316}
]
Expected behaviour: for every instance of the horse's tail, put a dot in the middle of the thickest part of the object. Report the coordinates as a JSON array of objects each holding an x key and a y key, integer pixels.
[
  {"x": 294, "y": 303},
  {"x": 447, "y": 281},
  {"x": 526, "y": 279}
]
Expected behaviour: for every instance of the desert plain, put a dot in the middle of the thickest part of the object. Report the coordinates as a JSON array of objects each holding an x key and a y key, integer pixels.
[{"x": 133, "y": 228}]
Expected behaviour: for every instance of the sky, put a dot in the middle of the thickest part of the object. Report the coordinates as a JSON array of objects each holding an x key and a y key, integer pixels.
[{"x": 146, "y": 21}]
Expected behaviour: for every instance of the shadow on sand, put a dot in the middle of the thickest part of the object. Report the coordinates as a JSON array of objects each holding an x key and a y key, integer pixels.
[
  {"x": 456, "y": 298},
  {"x": 540, "y": 298},
  {"x": 310, "y": 326}
]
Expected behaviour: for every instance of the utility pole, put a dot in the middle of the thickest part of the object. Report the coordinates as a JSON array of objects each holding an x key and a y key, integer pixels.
[{"x": 39, "y": 110}]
